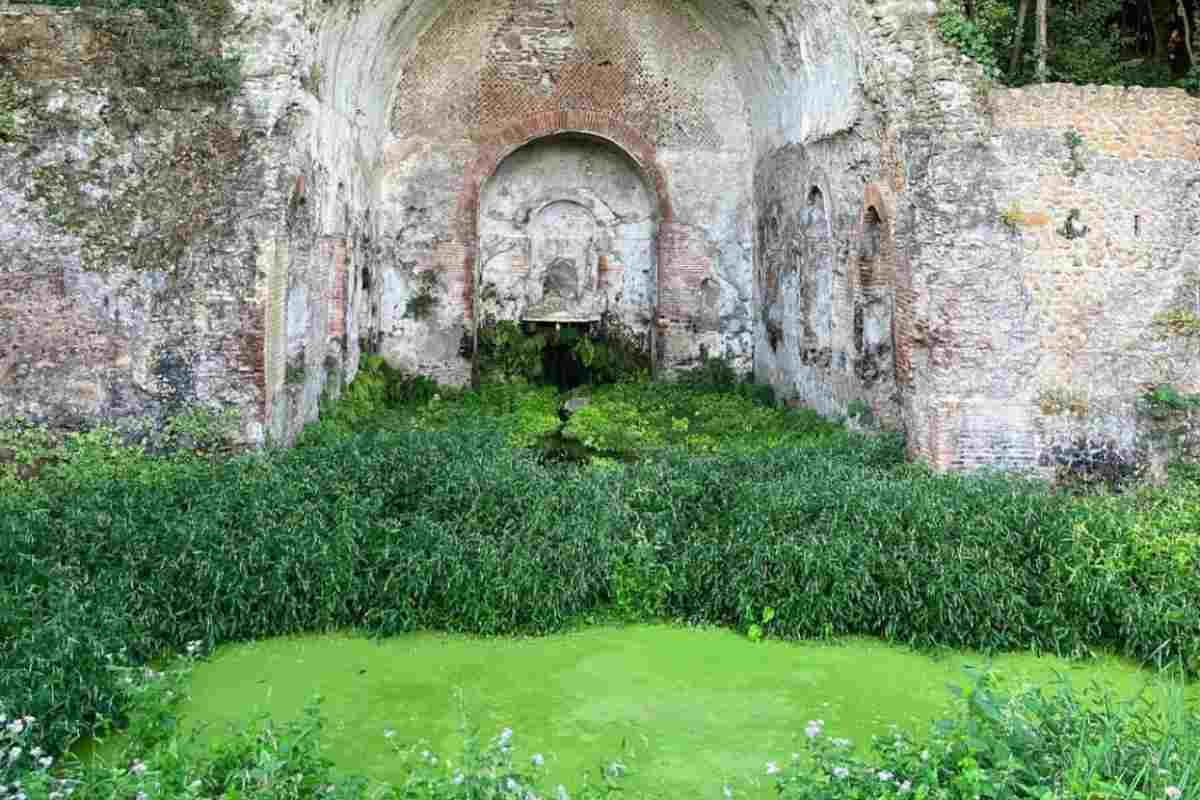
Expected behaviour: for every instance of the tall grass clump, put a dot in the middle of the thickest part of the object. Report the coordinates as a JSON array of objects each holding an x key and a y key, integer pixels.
[{"x": 405, "y": 529}]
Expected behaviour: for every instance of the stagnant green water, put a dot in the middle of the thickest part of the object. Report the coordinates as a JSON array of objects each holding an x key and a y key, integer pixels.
[{"x": 700, "y": 707}]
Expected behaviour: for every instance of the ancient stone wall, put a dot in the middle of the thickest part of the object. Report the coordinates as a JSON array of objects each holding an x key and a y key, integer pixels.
[
  {"x": 1046, "y": 261},
  {"x": 820, "y": 189},
  {"x": 650, "y": 76}
]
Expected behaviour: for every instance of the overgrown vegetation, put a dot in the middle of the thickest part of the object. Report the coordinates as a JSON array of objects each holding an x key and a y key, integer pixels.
[
  {"x": 1032, "y": 743},
  {"x": 600, "y": 353},
  {"x": 433, "y": 520},
  {"x": 166, "y": 45},
  {"x": 1142, "y": 43}
]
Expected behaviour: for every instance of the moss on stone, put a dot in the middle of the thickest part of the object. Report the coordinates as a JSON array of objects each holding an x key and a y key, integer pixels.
[{"x": 148, "y": 214}]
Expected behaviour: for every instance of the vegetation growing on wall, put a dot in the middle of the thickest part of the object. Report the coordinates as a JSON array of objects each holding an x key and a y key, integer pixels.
[
  {"x": 166, "y": 45},
  {"x": 150, "y": 216}
]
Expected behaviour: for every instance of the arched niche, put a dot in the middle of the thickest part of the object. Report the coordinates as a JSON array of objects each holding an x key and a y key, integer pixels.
[{"x": 567, "y": 228}]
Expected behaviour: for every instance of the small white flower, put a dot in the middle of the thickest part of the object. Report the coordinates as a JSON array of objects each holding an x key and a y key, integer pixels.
[
  {"x": 138, "y": 768},
  {"x": 924, "y": 755},
  {"x": 36, "y": 752},
  {"x": 813, "y": 729},
  {"x": 772, "y": 768},
  {"x": 1174, "y": 792},
  {"x": 45, "y": 761},
  {"x": 388, "y": 733},
  {"x": 458, "y": 778},
  {"x": 505, "y": 736},
  {"x": 142, "y": 796},
  {"x": 841, "y": 772},
  {"x": 512, "y": 785},
  {"x": 19, "y": 796},
  {"x": 885, "y": 775},
  {"x": 537, "y": 760}
]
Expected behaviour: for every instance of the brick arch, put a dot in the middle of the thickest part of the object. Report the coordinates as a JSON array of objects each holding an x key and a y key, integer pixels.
[{"x": 501, "y": 142}]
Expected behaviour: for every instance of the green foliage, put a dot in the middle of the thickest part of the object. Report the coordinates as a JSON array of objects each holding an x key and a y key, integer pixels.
[
  {"x": 614, "y": 355},
  {"x": 970, "y": 38},
  {"x": 1191, "y": 81},
  {"x": 1164, "y": 401},
  {"x": 1075, "y": 166},
  {"x": 757, "y": 629},
  {"x": 734, "y": 508},
  {"x": 10, "y": 102},
  {"x": 1084, "y": 44},
  {"x": 636, "y": 419},
  {"x": 424, "y": 299},
  {"x": 202, "y": 429},
  {"x": 507, "y": 353},
  {"x": 1031, "y": 743}
]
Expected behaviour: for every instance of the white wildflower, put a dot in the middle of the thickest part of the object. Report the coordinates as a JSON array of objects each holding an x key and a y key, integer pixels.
[
  {"x": 924, "y": 755},
  {"x": 36, "y": 752},
  {"x": 138, "y": 768},
  {"x": 813, "y": 729},
  {"x": 537, "y": 760},
  {"x": 772, "y": 768},
  {"x": 512, "y": 786},
  {"x": 45, "y": 761},
  {"x": 905, "y": 787},
  {"x": 885, "y": 775},
  {"x": 841, "y": 772},
  {"x": 505, "y": 736},
  {"x": 458, "y": 778},
  {"x": 388, "y": 733},
  {"x": 142, "y": 796},
  {"x": 1174, "y": 792}
]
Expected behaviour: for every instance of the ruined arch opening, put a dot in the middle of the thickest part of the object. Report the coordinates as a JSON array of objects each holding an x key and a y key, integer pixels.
[{"x": 567, "y": 249}]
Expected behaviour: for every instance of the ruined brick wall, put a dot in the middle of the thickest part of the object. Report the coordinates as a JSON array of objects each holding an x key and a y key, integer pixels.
[
  {"x": 651, "y": 76},
  {"x": 160, "y": 249},
  {"x": 1045, "y": 260}
]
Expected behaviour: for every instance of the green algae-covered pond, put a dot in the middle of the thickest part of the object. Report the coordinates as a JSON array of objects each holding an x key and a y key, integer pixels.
[{"x": 698, "y": 707}]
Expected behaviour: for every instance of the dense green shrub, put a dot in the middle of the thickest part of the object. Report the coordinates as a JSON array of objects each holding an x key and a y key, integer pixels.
[
  {"x": 394, "y": 531},
  {"x": 1032, "y": 743}
]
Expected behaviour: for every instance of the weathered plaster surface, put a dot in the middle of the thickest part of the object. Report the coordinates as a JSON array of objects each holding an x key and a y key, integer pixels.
[{"x": 819, "y": 190}]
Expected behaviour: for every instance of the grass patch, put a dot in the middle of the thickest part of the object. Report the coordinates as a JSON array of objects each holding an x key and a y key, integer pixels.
[{"x": 409, "y": 508}]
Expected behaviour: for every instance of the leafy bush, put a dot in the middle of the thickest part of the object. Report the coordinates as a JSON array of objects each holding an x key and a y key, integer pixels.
[
  {"x": 1034, "y": 744},
  {"x": 402, "y": 529}
]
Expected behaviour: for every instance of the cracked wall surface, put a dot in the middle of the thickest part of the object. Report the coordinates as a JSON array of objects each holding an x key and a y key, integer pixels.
[{"x": 818, "y": 190}]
